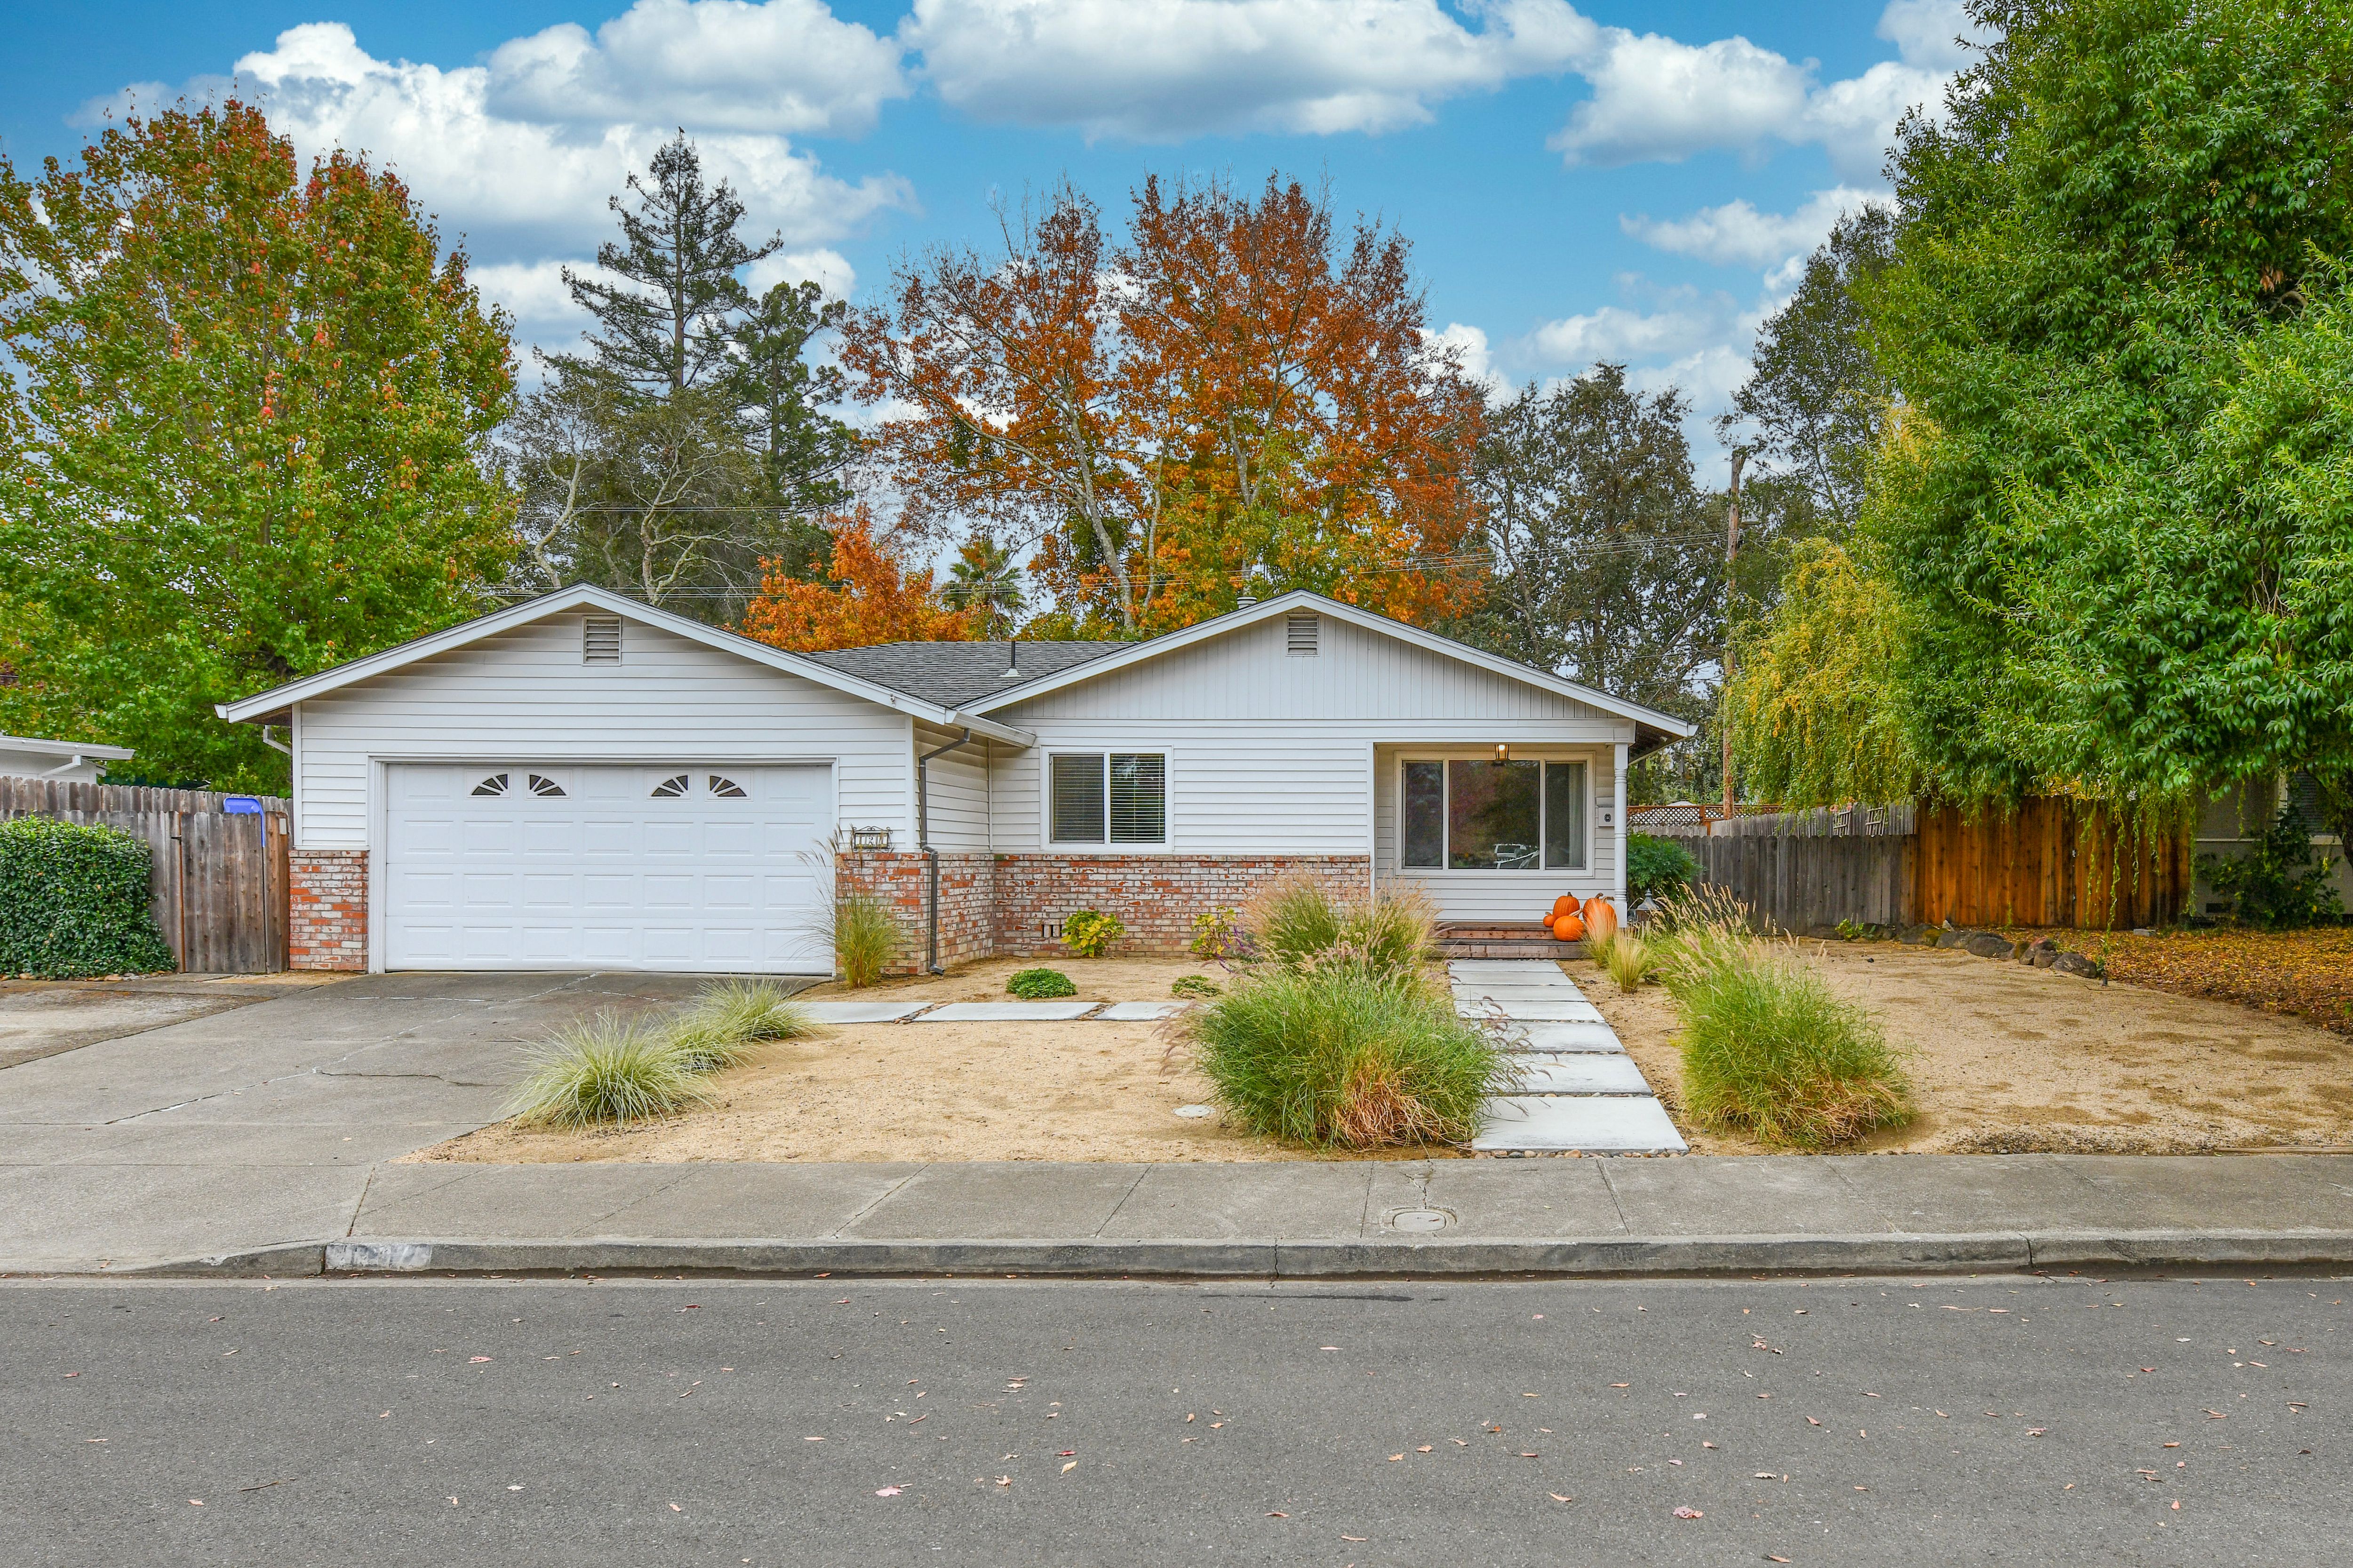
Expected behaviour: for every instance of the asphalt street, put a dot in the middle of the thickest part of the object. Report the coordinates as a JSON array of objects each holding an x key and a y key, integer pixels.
[{"x": 2001, "y": 1418}]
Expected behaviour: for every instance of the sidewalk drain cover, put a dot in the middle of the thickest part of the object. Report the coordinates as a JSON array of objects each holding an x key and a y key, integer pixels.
[
  {"x": 1197, "y": 1111},
  {"x": 1421, "y": 1220}
]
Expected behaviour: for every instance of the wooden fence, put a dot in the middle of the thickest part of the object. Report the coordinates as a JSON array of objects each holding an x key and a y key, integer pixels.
[
  {"x": 2050, "y": 863},
  {"x": 218, "y": 887}
]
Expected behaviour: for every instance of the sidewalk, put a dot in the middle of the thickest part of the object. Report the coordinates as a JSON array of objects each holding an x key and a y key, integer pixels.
[{"x": 1419, "y": 1218}]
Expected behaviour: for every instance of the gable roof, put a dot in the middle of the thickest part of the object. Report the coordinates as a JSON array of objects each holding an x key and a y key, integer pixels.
[
  {"x": 75, "y": 748},
  {"x": 270, "y": 705},
  {"x": 957, "y": 673},
  {"x": 1666, "y": 726}
]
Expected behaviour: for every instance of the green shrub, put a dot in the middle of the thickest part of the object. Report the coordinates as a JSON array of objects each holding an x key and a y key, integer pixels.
[
  {"x": 1339, "y": 1056},
  {"x": 1657, "y": 868},
  {"x": 731, "y": 1020},
  {"x": 1218, "y": 934},
  {"x": 2278, "y": 886},
  {"x": 1090, "y": 934},
  {"x": 1196, "y": 985},
  {"x": 866, "y": 937},
  {"x": 1768, "y": 1048},
  {"x": 1036, "y": 985},
  {"x": 1296, "y": 923},
  {"x": 73, "y": 901},
  {"x": 606, "y": 1068}
]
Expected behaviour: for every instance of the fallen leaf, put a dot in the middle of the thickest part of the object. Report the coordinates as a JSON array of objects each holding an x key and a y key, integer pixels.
[
  {"x": 1689, "y": 1513},
  {"x": 2177, "y": 1505},
  {"x": 1811, "y": 1422},
  {"x": 1066, "y": 1453},
  {"x": 1527, "y": 1456},
  {"x": 675, "y": 1508},
  {"x": 1618, "y": 1385},
  {"x": 1069, "y": 1467},
  {"x": 1395, "y": 1458},
  {"x": 1272, "y": 1515},
  {"x": 1360, "y": 1540},
  {"x": 476, "y": 1360},
  {"x": 888, "y": 1492},
  {"x": 815, "y": 1439},
  {"x": 1423, "y": 1450},
  {"x": 1005, "y": 1480},
  {"x": 1770, "y": 1558},
  {"x": 1557, "y": 1498},
  {"x": 1762, "y": 1476}
]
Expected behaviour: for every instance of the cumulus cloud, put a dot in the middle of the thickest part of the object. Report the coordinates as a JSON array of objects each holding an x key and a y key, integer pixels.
[
  {"x": 786, "y": 65},
  {"x": 1163, "y": 69},
  {"x": 1937, "y": 34},
  {"x": 1472, "y": 352},
  {"x": 1737, "y": 235},
  {"x": 1686, "y": 320}
]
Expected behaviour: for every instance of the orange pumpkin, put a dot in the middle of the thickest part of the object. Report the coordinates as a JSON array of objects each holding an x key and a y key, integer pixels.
[
  {"x": 1563, "y": 905},
  {"x": 1600, "y": 918},
  {"x": 1569, "y": 926}
]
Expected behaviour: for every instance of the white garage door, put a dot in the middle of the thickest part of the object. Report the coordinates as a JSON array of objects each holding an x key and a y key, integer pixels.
[{"x": 525, "y": 865}]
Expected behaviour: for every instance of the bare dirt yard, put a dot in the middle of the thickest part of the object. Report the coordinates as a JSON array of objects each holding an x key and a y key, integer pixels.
[
  {"x": 1081, "y": 1090},
  {"x": 2007, "y": 1058}
]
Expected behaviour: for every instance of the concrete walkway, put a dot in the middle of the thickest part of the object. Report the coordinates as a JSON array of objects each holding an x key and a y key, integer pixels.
[{"x": 1578, "y": 1092}]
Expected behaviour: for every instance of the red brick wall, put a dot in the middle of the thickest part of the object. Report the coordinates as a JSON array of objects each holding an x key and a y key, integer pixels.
[
  {"x": 1155, "y": 897},
  {"x": 967, "y": 900},
  {"x": 327, "y": 894}
]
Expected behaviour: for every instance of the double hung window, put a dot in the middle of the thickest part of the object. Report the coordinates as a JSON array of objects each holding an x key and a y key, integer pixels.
[
  {"x": 1474, "y": 815},
  {"x": 1108, "y": 797}
]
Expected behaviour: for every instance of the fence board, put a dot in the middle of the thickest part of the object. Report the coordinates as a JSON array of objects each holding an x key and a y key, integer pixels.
[{"x": 219, "y": 884}]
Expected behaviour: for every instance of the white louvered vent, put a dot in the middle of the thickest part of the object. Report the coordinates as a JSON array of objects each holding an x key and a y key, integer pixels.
[
  {"x": 600, "y": 639},
  {"x": 1299, "y": 631}
]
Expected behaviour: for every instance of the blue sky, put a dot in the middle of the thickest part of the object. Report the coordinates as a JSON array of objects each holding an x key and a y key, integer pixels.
[{"x": 1603, "y": 181}]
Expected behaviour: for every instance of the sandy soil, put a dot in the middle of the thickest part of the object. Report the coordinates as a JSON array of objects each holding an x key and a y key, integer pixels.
[
  {"x": 2008, "y": 1058},
  {"x": 941, "y": 1091}
]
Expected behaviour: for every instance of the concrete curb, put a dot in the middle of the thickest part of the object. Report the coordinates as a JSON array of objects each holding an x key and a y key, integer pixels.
[{"x": 1427, "y": 1257}]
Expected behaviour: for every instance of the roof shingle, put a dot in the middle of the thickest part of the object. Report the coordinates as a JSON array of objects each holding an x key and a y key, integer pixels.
[{"x": 954, "y": 673}]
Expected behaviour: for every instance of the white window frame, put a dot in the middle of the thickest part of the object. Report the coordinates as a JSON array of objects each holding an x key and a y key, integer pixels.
[
  {"x": 1104, "y": 753},
  {"x": 1446, "y": 760}
]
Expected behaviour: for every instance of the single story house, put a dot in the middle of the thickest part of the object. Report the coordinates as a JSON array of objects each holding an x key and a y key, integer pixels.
[
  {"x": 65, "y": 762},
  {"x": 583, "y": 782}
]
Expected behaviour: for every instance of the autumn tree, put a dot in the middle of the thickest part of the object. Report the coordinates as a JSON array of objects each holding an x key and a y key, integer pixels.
[
  {"x": 1234, "y": 398},
  {"x": 873, "y": 597},
  {"x": 246, "y": 415}
]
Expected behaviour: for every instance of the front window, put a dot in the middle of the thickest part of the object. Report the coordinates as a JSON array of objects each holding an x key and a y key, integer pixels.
[
  {"x": 1114, "y": 798},
  {"x": 1476, "y": 815}
]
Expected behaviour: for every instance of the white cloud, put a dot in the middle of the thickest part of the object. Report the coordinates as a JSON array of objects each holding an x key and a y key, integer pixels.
[
  {"x": 1614, "y": 332},
  {"x": 786, "y": 65},
  {"x": 1163, "y": 69},
  {"x": 1926, "y": 32},
  {"x": 1655, "y": 100},
  {"x": 1737, "y": 235},
  {"x": 1472, "y": 353}
]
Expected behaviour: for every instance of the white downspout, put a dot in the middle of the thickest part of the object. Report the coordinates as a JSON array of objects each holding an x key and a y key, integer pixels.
[{"x": 1618, "y": 804}]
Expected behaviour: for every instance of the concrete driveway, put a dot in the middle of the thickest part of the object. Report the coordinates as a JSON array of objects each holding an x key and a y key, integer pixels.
[{"x": 240, "y": 1125}]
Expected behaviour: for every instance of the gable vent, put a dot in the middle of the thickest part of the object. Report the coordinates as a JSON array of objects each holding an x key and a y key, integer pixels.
[
  {"x": 1299, "y": 632},
  {"x": 600, "y": 639}
]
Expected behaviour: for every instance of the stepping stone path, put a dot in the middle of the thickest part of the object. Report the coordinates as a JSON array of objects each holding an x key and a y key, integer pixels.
[
  {"x": 990, "y": 1012},
  {"x": 1579, "y": 1090}
]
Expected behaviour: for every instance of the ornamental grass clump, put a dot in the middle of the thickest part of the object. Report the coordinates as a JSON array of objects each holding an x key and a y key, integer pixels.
[
  {"x": 731, "y": 1020},
  {"x": 606, "y": 1068},
  {"x": 1296, "y": 921},
  {"x": 1339, "y": 1055},
  {"x": 1629, "y": 959},
  {"x": 866, "y": 937},
  {"x": 1768, "y": 1048}
]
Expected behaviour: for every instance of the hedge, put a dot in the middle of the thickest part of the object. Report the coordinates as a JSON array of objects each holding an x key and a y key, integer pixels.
[{"x": 73, "y": 902}]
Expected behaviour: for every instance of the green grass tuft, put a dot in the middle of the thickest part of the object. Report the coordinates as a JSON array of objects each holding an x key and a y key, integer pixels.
[
  {"x": 1340, "y": 1056},
  {"x": 606, "y": 1068},
  {"x": 1629, "y": 959},
  {"x": 866, "y": 937},
  {"x": 1037, "y": 984},
  {"x": 732, "y": 1019},
  {"x": 1195, "y": 986},
  {"x": 1296, "y": 923}
]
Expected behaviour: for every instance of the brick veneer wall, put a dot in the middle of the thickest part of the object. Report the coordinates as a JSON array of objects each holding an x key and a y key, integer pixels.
[
  {"x": 967, "y": 900},
  {"x": 326, "y": 919},
  {"x": 1155, "y": 897}
]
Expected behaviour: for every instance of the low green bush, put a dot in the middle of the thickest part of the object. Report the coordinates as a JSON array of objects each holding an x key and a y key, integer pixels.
[
  {"x": 1657, "y": 868},
  {"x": 2278, "y": 886},
  {"x": 73, "y": 901},
  {"x": 730, "y": 1021},
  {"x": 1768, "y": 1048},
  {"x": 1037, "y": 984},
  {"x": 1090, "y": 934},
  {"x": 1218, "y": 934},
  {"x": 606, "y": 1068},
  {"x": 1195, "y": 986},
  {"x": 1341, "y": 1055}
]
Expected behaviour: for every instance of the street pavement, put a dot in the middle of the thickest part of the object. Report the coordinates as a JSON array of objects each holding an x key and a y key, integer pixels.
[{"x": 2071, "y": 1419}]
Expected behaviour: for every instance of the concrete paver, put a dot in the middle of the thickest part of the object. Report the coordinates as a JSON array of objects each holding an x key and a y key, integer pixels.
[
  {"x": 862, "y": 1012},
  {"x": 1587, "y": 1072},
  {"x": 1578, "y": 1036},
  {"x": 1007, "y": 1012},
  {"x": 1140, "y": 1011},
  {"x": 1562, "y": 1012},
  {"x": 1598, "y": 1124}
]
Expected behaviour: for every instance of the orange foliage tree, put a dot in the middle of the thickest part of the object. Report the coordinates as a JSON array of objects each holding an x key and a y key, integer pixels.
[
  {"x": 873, "y": 599},
  {"x": 1233, "y": 396}
]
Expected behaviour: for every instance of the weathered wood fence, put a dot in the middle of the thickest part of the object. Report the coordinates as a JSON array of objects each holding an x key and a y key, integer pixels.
[
  {"x": 219, "y": 888},
  {"x": 2050, "y": 863}
]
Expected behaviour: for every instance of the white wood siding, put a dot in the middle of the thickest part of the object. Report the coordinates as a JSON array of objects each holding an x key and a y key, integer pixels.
[
  {"x": 959, "y": 791},
  {"x": 1506, "y": 895},
  {"x": 525, "y": 692}
]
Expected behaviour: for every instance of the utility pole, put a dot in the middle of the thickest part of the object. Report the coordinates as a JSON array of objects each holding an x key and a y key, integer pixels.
[{"x": 1731, "y": 550}]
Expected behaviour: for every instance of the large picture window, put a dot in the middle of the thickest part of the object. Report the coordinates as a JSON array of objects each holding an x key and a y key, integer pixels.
[
  {"x": 1474, "y": 815},
  {"x": 1114, "y": 798}
]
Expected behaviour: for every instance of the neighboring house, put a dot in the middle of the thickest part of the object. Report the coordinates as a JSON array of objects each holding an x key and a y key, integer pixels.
[
  {"x": 67, "y": 761},
  {"x": 581, "y": 781},
  {"x": 2232, "y": 822}
]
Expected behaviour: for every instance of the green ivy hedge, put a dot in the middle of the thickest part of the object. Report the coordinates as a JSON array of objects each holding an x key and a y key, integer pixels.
[{"x": 73, "y": 901}]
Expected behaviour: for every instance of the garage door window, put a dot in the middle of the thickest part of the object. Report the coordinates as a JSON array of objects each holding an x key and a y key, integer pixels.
[{"x": 495, "y": 784}]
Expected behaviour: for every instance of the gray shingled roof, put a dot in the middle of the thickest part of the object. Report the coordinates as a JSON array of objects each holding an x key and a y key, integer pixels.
[{"x": 954, "y": 673}]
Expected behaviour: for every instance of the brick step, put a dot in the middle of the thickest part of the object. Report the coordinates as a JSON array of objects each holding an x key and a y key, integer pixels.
[{"x": 1504, "y": 939}]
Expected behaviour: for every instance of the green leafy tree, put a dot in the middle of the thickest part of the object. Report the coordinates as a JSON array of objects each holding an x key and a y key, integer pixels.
[
  {"x": 245, "y": 412},
  {"x": 984, "y": 576}
]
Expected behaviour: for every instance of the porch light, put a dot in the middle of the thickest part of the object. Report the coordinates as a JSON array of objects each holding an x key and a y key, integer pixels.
[{"x": 1504, "y": 753}]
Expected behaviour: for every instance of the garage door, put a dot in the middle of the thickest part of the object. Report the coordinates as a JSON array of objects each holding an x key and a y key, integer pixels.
[{"x": 527, "y": 865}]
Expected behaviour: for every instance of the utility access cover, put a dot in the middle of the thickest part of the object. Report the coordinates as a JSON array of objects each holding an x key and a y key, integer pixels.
[{"x": 1420, "y": 1220}]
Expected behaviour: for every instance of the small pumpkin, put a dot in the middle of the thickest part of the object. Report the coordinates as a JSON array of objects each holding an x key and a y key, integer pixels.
[
  {"x": 1600, "y": 918},
  {"x": 1569, "y": 926},
  {"x": 1566, "y": 904}
]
